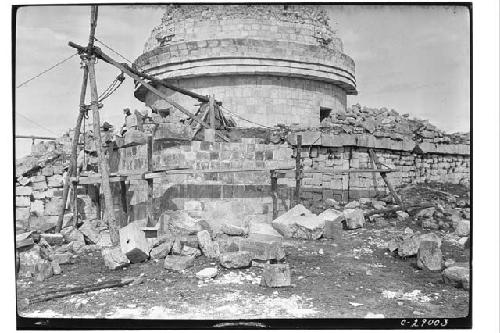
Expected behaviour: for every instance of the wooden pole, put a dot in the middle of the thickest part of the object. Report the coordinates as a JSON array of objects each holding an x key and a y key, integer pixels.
[
  {"x": 76, "y": 136},
  {"x": 274, "y": 193},
  {"x": 127, "y": 70},
  {"x": 374, "y": 157},
  {"x": 298, "y": 169},
  {"x": 149, "y": 204},
  {"x": 109, "y": 214}
]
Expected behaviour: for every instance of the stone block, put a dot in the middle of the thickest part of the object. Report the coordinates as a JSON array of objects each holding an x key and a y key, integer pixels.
[
  {"x": 133, "y": 243},
  {"x": 207, "y": 273},
  {"x": 299, "y": 222},
  {"x": 458, "y": 276},
  {"x": 23, "y": 201},
  {"x": 37, "y": 208},
  {"x": 178, "y": 263},
  {"x": 47, "y": 171},
  {"x": 53, "y": 207},
  {"x": 41, "y": 223},
  {"x": 63, "y": 258},
  {"x": 462, "y": 228},
  {"x": 276, "y": 275},
  {"x": 262, "y": 250},
  {"x": 161, "y": 250},
  {"x": 91, "y": 231},
  {"x": 429, "y": 256},
  {"x": 53, "y": 239},
  {"x": 72, "y": 234},
  {"x": 208, "y": 247},
  {"x": 43, "y": 270},
  {"x": 39, "y": 186},
  {"x": 56, "y": 269},
  {"x": 24, "y": 190},
  {"x": 114, "y": 258},
  {"x": 263, "y": 232},
  {"x": 239, "y": 259},
  {"x": 22, "y": 213},
  {"x": 354, "y": 218},
  {"x": 190, "y": 251},
  {"x": 55, "y": 181},
  {"x": 232, "y": 230},
  {"x": 178, "y": 222}
]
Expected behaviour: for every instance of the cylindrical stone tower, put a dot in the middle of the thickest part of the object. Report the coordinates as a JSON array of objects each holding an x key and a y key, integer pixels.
[{"x": 268, "y": 63}]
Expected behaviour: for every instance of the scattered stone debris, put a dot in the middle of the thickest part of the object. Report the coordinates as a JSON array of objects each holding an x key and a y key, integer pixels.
[
  {"x": 457, "y": 275},
  {"x": 207, "y": 273}
]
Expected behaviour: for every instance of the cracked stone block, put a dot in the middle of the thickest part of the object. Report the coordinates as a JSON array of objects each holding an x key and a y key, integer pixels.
[
  {"x": 276, "y": 275},
  {"x": 134, "y": 243}
]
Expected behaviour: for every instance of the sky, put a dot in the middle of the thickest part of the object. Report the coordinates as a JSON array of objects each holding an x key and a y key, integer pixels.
[{"x": 414, "y": 59}]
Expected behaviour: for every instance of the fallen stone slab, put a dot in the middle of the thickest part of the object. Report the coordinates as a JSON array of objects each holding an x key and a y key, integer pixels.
[
  {"x": 429, "y": 256},
  {"x": 238, "y": 259},
  {"x": 462, "y": 228},
  {"x": 114, "y": 258},
  {"x": 208, "y": 247},
  {"x": 133, "y": 243},
  {"x": 232, "y": 230},
  {"x": 276, "y": 275},
  {"x": 53, "y": 239},
  {"x": 190, "y": 251},
  {"x": 262, "y": 250},
  {"x": 178, "y": 263},
  {"x": 178, "y": 222},
  {"x": 91, "y": 231},
  {"x": 207, "y": 273},
  {"x": 457, "y": 276},
  {"x": 352, "y": 205},
  {"x": 162, "y": 249},
  {"x": 24, "y": 239},
  {"x": 263, "y": 232},
  {"x": 283, "y": 223},
  {"x": 354, "y": 219},
  {"x": 63, "y": 258}
]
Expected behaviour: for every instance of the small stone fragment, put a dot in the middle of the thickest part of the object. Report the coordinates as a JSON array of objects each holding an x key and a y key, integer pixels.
[
  {"x": 207, "y": 273},
  {"x": 276, "y": 275},
  {"x": 178, "y": 263},
  {"x": 238, "y": 259}
]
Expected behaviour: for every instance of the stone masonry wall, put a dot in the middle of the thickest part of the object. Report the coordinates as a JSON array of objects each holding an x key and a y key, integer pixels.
[{"x": 259, "y": 98}]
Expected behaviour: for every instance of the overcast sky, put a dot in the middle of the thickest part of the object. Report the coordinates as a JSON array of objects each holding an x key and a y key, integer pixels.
[{"x": 412, "y": 59}]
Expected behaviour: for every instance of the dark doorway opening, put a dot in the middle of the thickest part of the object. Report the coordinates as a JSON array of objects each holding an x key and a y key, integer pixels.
[{"x": 324, "y": 113}]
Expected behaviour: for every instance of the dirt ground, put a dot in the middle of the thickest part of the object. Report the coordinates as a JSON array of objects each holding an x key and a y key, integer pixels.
[{"x": 348, "y": 279}]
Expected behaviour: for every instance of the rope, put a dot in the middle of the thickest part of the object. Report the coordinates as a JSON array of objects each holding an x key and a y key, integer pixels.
[
  {"x": 117, "y": 82},
  {"x": 37, "y": 124},
  {"x": 47, "y": 70},
  {"x": 114, "y": 51},
  {"x": 253, "y": 122}
]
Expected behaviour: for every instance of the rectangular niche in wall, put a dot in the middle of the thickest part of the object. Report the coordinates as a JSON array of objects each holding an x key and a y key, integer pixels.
[{"x": 324, "y": 113}]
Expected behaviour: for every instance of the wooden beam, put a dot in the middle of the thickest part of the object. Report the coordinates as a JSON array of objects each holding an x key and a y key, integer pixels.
[
  {"x": 274, "y": 193},
  {"x": 383, "y": 174},
  {"x": 34, "y": 137},
  {"x": 130, "y": 72},
  {"x": 298, "y": 169},
  {"x": 150, "y": 202}
]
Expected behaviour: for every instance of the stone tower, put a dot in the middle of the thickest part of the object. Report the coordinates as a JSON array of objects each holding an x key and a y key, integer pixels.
[{"x": 268, "y": 63}]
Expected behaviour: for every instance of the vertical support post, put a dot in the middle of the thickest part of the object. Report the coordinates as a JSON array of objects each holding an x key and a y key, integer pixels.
[
  {"x": 123, "y": 198},
  {"x": 210, "y": 133},
  {"x": 274, "y": 193},
  {"x": 109, "y": 215},
  {"x": 97, "y": 197},
  {"x": 298, "y": 169},
  {"x": 374, "y": 157},
  {"x": 149, "y": 204}
]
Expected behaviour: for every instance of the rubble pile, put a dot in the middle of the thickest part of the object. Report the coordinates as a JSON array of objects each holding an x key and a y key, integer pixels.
[{"x": 385, "y": 123}]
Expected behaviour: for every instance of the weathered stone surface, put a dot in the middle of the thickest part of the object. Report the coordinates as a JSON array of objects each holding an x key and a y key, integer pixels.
[
  {"x": 24, "y": 190},
  {"x": 228, "y": 244},
  {"x": 208, "y": 247},
  {"x": 23, "y": 201},
  {"x": 43, "y": 270},
  {"x": 28, "y": 261},
  {"x": 238, "y": 259},
  {"x": 22, "y": 214},
  {"x": 430, "y": 237},
  {"x": 190, "y": 251},
  {"x": 276, "y": 275},
  {"x": 37, "y": 208},
  {"x": 53, "y": 239},
  {"x": 332, "y": 215},
  {"x": 178, "y": 222},
  {"x": 378, "y": 204},
  {"x": 55, "y": 181},
  {"x": 410, "y": 243},
  {"x": 24, "y": 239},
  {"x": 53, "y": 206},
  {"x": 462, "y": 228},
  {"x": 352, "y": 205},
  {"x": 105, "y": 239},
  {"x": 178, "y": 263},
  {"x": 429, "y": 256},
  {"x": 114, "y": 258},
  {"x": 232, "y": 230},
  {"x": 63, "y": 258},
  {"x": 262, "y": 250},
  {"x": 300, "y": 223},
  {"x": 354, "y": 218},
  {"x": 457, "y": 276},
  {"x": 72, "y": 234},
  {"x": 162, "y": 249},
  {"x": 207, "y": 273},
  {"x": 333, "y": 230},
  {"x": 56, "y": 269},
  {"x": 263, "y": 232},
  {"x": 133, "y": 243},
  {"x": 90, "y": 230}
]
